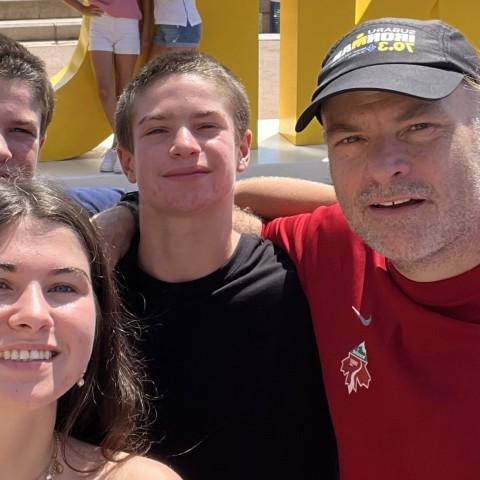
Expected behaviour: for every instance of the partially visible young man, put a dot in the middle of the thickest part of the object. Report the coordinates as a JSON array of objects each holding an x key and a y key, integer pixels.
[
  {"x": 26, "y": 109},
  {"x": 226, "y": 329}
]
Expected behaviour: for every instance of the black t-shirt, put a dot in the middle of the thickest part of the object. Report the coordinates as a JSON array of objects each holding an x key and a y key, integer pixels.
[{"x": 235, "y": 370}]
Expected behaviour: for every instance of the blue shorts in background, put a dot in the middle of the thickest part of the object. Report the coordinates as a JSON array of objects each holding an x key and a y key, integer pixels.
[{"x": 178, "y": 35}]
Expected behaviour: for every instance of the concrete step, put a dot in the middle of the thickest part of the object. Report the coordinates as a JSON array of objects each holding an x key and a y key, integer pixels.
[
  {"x": 55, "y": 54},
  {"x": 35, "y": 9},
  {"x": 45, "y": 29}
]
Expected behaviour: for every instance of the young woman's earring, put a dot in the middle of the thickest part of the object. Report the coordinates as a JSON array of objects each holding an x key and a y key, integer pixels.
[{"x": 81, "y": 381}]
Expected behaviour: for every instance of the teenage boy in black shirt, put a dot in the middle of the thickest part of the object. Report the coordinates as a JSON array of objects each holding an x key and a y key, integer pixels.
[{"x": 226, "y": 330}]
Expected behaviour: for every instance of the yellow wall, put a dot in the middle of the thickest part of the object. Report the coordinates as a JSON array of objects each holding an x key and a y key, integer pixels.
[
  {"x": 230, "y": 33},
  {"x": 310, "y": 27},
  {"x": 307, "y": 30},
  {"x": 78, "y": 123},
  {"x": 231, "y": 36}
]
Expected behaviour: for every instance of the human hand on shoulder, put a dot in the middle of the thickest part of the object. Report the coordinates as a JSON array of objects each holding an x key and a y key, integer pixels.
[
  {"x": 92, "y": 10},
  {"x": 117, "y": 226},
  {"x": 89, "y": 10},
  {"x": 244, "y": 221}
]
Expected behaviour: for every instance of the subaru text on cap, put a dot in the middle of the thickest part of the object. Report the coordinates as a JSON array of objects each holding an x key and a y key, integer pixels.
[{"x": 423, "y": 58}]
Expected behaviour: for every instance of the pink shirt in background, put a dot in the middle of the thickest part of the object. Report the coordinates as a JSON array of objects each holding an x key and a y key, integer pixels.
[{"x": 119, "y": 8}]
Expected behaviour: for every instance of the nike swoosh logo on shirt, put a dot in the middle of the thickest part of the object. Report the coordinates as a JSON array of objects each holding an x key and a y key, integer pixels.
[{"x": 365, "y": 321}]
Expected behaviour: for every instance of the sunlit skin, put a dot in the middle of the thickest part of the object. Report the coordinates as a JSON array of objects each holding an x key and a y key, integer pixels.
[
  {"x": 20, "y": 139},
  {"x": 421, "y": 155},
  {"x": 46, "y": 303},
  {"x": 186, "y": 156}
]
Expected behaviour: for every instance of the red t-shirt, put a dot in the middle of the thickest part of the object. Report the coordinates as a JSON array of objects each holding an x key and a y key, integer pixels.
[{"x": 401, "y": 359}]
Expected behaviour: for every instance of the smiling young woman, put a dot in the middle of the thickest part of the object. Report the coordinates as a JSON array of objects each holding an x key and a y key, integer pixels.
[{"x": 64, "y": 360}]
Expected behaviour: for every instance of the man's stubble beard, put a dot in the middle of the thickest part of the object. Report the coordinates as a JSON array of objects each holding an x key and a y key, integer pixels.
[{"x": 425, "y": 238}]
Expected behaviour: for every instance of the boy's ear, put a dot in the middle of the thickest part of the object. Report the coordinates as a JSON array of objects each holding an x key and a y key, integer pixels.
[
  {"x": 127, "y": 160},
  {"x": 244, "y": 149}
]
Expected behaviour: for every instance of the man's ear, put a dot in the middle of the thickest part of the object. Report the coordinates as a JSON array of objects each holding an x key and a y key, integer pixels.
[
  {"x": 42, "y": 141},
  {"x": 127, "y": 159},
  {"x": 244, "y": 148}
]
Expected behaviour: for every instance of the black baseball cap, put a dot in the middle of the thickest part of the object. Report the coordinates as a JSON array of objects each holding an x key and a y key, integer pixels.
[{"x": 423, "y": 58}]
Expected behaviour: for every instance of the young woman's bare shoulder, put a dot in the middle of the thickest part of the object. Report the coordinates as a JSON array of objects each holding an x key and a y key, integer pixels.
[
  {"x": 140, "y": 467},
  {"x": 87, "y": 457}
]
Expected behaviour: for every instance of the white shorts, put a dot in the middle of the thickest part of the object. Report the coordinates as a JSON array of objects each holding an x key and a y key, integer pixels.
[{"x": 117, "y": 35}]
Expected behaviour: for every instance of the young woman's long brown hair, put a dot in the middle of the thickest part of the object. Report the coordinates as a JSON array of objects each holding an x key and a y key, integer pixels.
[{"x": 111, "y": 400}]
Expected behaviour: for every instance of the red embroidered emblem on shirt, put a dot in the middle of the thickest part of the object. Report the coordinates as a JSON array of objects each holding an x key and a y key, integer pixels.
[{"x": 354, "y": 367}]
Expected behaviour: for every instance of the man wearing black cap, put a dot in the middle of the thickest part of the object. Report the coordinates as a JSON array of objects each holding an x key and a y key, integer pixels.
[{"x": 392, "y": 274}]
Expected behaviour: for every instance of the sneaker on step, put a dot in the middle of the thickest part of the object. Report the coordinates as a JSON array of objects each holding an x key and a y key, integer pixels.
[
  {"x": 117, "y": 168},
  {"x": 108, "y": 160}
]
